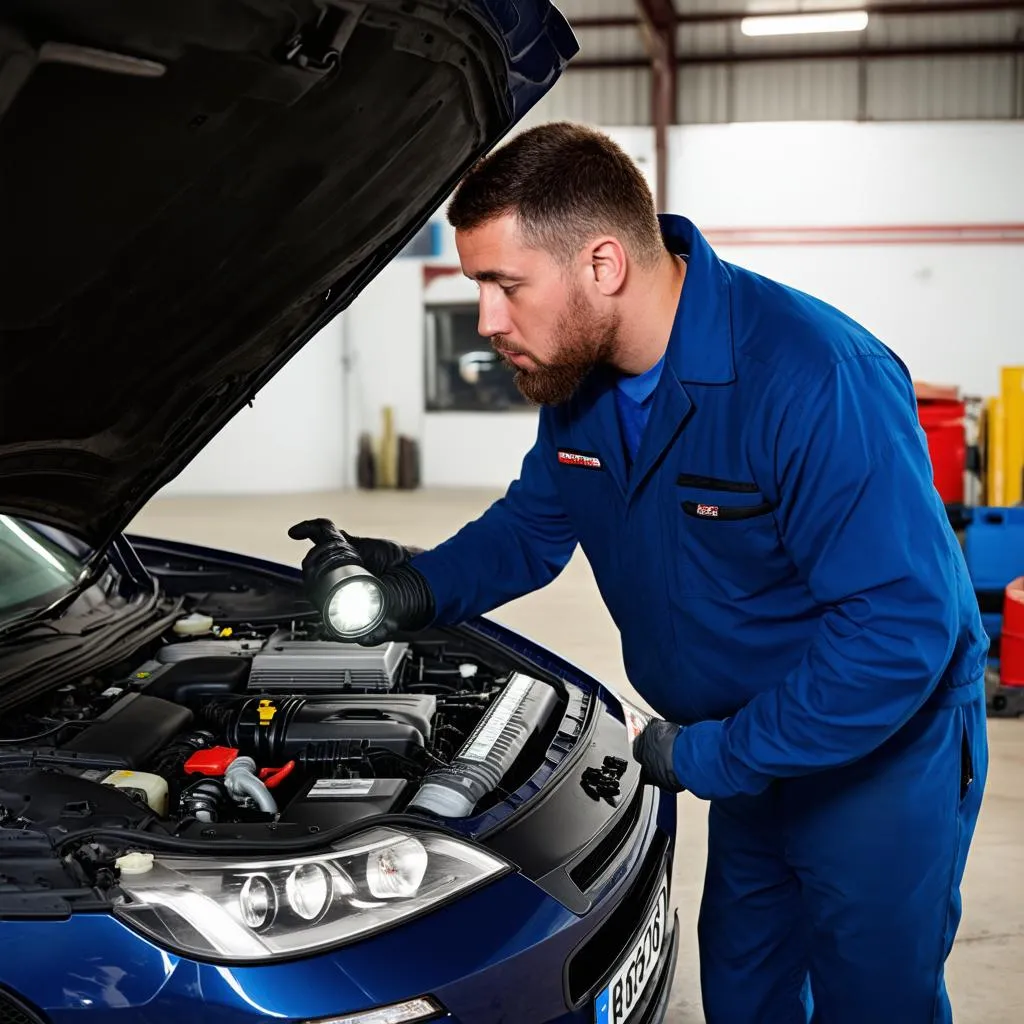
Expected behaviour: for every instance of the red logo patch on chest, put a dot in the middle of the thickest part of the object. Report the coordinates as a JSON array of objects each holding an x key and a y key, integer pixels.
[
  {"x": 585, "y": 460},
  {"x": 711, "y": 511}
]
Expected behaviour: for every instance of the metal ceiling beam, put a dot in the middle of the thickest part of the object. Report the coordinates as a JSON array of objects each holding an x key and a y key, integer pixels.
[
  {"x": 998, "y": 49},
  {"x": 880, "y": 7},
  {"x": 658, "y": 19}
]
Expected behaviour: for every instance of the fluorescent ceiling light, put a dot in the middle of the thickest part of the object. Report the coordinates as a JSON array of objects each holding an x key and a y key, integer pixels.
[{"x": 802, "y": 24}]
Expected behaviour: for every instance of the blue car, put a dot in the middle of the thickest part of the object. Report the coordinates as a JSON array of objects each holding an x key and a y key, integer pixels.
[{"x": 211, "y": 809}]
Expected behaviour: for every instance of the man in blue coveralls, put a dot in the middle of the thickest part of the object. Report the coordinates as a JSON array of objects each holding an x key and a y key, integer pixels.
[{"x": 743, "y": 468}]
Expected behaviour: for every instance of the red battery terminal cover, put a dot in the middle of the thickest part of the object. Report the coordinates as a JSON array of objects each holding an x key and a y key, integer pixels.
[{"x": 212, "y": 761}]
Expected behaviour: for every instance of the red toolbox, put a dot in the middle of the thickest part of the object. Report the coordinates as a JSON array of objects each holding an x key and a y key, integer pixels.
[
  {"x": 943, "y": 418},
  {"x": 1011, "y": 645}
]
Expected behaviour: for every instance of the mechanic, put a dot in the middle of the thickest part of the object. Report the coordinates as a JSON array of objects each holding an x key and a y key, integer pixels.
[{"x": 743, "y": 467}]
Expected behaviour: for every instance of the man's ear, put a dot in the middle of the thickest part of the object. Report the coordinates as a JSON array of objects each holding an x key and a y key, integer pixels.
[{"x": 607, "y": 264}]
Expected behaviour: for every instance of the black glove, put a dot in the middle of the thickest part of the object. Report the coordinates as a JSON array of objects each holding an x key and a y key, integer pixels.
[
  {"x": 409, "y": 604},
  {"x": 376, "y": 555},
  {"x": 653, "y": 749},
  {"x": 408, "y": 600}
]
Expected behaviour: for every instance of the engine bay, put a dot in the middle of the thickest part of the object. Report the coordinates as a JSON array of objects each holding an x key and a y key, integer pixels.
[{"x": 275, "y": 726}]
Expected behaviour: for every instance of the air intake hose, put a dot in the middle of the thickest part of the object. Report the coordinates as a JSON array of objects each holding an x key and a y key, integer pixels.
[
  {"x": 242, "y": 781},
  {"x": 521, "y": 711}
]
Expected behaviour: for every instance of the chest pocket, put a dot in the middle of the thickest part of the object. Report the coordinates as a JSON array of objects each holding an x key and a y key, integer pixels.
[{"x": 728, "y": 540}]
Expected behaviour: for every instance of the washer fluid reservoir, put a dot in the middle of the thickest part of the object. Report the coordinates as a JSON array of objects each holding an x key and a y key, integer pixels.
[{"x": 153, "y": 786}]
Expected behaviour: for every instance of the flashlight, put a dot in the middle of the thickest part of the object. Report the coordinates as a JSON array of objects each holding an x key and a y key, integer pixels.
[
  {"x": 355, "y": 602},
  {"x": 349, "y": 597}
]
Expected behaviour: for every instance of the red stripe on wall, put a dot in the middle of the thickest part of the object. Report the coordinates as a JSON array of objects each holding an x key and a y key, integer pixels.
[
  {"x": 850, "y": 234},
  {"x": 885, "y": 234}
]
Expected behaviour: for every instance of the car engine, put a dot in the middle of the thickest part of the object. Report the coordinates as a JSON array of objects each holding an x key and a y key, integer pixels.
[{"x": 279, "y": 725}]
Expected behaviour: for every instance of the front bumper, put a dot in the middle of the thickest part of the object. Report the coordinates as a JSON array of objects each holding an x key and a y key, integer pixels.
[{"x": 501, "y": 954}]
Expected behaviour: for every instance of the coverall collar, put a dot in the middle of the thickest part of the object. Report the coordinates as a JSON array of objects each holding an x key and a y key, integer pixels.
[
  {"x": 700, "y": 351},
  {"x": 700, "y": 347}
]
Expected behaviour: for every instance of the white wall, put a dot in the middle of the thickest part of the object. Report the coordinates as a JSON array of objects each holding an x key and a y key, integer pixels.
[
  {"x": 840, "y": 173},
  {"x": 953, "y": 311},
  {"x": 475, "y": 449},
  {"x": 384, "y": 354},
  {"x": 290, "y": 440}
]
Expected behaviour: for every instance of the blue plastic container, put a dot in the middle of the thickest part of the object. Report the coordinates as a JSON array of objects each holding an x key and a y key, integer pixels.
[{"x": 994, "y": 546}]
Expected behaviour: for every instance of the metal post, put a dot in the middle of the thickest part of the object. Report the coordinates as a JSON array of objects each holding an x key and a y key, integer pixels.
[{"x": 658, "y": 20}]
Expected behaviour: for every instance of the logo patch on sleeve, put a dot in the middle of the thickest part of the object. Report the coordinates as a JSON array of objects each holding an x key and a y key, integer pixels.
[
  {"x": 710, "y": 511},
  {"x": 585, "y": 460}
]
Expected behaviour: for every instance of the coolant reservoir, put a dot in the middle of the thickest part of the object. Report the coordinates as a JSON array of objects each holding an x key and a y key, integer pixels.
[
  {"x": 193, "y": 625},
  {"x": 135, "y": 863},
  {"x": 154, "y": 787}
]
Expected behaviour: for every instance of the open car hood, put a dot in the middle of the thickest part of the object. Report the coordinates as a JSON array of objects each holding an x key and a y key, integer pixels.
[{"x": 191, "y": 189}]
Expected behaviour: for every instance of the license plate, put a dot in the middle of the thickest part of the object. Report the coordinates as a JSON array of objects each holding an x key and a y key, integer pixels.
[{"x": 637, "y": 969}]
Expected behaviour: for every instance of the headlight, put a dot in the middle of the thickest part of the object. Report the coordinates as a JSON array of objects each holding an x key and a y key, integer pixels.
[{"x": 262, "y": 910}]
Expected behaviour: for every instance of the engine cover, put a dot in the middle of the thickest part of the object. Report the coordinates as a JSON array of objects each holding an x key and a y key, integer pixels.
[
  {"x": 286, "y": 665},
  {"x": 274, "y": 730}
]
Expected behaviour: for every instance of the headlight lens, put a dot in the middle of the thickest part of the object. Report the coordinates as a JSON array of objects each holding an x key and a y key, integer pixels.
[
  {"x": 308, "y": 889},
  {"x": 397, "y": 871},
  {"x": 209, "y": 909},
  {"x": 257, "y": 902}
]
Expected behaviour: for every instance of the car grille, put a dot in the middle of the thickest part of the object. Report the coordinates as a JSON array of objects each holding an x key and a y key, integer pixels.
[
  {"x": 594, "y": 864},
  {"x": 596, "y": 957},
  {"x": 14, "y": 1011}
]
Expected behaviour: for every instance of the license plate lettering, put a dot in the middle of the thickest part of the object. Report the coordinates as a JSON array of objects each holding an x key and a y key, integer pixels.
[
  {"x": 636, "y": 969},
  {"x": 619, "y": 1002}
]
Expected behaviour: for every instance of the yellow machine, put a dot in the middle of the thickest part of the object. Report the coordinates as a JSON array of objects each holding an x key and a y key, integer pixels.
[{"x": 1004, "y": 441}]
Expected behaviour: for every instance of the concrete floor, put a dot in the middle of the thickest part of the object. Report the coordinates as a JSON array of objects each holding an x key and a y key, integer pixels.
[{"x": 986, "y": 971}]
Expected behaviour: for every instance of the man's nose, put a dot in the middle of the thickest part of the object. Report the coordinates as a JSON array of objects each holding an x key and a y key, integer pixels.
[{"x": 493, "y": 316}]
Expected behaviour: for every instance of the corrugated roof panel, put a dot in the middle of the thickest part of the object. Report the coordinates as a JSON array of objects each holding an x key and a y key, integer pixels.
[
  {"x": 725, "y": 37},
  {"x": 731, "y": 40},
  {"x": 595, "y": 8},
  {"x": 611, "y": 98},
  {"x": 983, "y": 27},
  {"x": 813, "y": 91},
  {"x": 704, "y": 94},
  {"x": 941, "y": 89},
  {"x": 983, "y": 87},
  {"x": 717, "y": 37},
  {"x": 602, "y": 43}
]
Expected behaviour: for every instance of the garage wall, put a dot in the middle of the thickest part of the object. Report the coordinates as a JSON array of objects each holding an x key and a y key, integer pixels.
[
  {"x": 931, "y": 302},
  {"x": 719, "y": 83},
  {"x": 951, "y": 310},
  {"x": 384, "y": 355},
  {"x": 290, "y": 440}
]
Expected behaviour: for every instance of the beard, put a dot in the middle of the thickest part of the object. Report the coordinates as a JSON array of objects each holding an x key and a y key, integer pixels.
[{"x": 584, "y": 339}]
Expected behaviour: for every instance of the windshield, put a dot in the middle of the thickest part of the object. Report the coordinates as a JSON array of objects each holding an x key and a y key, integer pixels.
[{"x": 34, "y": 572}]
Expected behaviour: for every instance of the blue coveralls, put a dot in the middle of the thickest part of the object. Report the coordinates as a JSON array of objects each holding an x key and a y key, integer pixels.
[{"x": 787, "y": 587}]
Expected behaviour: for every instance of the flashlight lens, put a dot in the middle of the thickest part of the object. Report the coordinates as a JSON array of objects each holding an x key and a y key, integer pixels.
[{"x": 355, "y": 606}]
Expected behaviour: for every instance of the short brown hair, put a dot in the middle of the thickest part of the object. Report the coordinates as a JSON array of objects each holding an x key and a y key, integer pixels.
[{"x": 566, "y": 184}]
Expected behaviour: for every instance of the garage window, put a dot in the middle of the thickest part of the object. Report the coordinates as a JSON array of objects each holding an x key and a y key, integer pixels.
[{"x": 462, "y": 372}]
